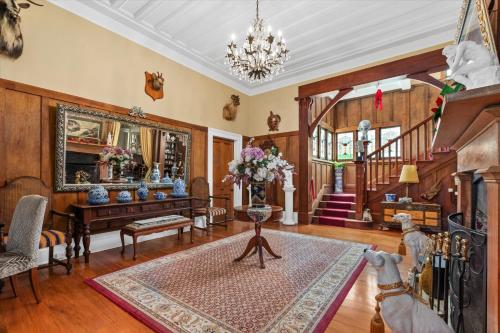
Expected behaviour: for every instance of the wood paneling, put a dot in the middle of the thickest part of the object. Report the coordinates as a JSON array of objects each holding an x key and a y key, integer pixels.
[{"x": 27, "y": 136}]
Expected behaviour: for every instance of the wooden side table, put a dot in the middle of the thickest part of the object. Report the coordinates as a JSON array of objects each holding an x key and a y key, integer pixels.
[{"x": 423, "y": 214}]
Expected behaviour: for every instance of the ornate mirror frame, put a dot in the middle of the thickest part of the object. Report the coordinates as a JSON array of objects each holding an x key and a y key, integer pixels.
[
  {"x": 60, "y": 148},
  {"x": 481, "y": 10}
]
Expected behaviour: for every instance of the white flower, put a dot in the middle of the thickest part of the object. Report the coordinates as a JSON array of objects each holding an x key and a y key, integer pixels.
[
  {"x": 271, "y": 165},
  {"x": 262, "y": 173},
  {"x": 270, "y": 177},
  {"x": 233, "y": 166},
  {"x": 248, "y": 171}
]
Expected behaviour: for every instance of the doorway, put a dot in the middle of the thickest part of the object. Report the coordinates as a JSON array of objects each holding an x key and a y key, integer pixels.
[{"x": 223, "y": 147}]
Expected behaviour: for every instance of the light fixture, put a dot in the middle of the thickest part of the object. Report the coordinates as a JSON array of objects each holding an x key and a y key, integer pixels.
[
  {"x": 262, "y": 56},
  {"x": 409, "y": 175}
]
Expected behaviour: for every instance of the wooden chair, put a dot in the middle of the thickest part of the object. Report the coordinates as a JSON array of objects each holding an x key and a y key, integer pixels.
[
  {"x": 12, "y": 192},
  {"x": 21, "y": 252},
  {"x": 202, "y": 204}
]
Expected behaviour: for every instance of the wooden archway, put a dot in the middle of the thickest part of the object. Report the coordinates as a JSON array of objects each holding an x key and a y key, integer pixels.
[{"x": 418, "y": 67}]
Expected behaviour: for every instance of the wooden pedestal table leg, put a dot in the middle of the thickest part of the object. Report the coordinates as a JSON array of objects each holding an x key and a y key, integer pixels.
[
  {"x": 265, "y": 243},
  {"x": 86, "y": 242},
  {"x": 252, "y": 244},
  {"x": 261, "y": 254}
]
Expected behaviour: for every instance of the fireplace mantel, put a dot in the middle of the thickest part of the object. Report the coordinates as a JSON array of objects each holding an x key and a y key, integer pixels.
[{"x": 470, "y": 124}]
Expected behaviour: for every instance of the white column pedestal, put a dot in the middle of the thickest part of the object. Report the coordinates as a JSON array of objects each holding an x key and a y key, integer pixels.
[{"x": 288, "y": 214}]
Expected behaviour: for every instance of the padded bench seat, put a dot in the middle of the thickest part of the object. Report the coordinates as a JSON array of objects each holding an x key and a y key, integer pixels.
[{"x": 154, "y": 225}]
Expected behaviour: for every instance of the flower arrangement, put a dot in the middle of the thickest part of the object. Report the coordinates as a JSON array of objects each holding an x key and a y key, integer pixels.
[
  {"x": 115, "y": 155},
  {"x": 254, "y": 165}
]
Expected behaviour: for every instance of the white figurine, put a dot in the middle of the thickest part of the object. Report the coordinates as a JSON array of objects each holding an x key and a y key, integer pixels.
[
  {"x": 472, "y": 64},
  {"x": 401, "y": 312},
  {"x": 364, "y": 126},
  {"x": 413, "y": 238}
]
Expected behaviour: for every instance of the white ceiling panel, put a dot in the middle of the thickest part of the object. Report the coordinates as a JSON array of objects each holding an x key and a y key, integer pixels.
[{"x": 324, "y": 36}]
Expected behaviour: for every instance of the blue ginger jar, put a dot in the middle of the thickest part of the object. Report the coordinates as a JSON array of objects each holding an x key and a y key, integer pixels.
[
  {"x": 160, "y": 195},
  {"x": 124, "y": 197},
  {"x": 179, "y": 189},
  {"x": 97, "y": 195},
  {"x": 167, "y": 180},
  {"x": 155, "y": 173},
  {"x": 143, "y": 191}
]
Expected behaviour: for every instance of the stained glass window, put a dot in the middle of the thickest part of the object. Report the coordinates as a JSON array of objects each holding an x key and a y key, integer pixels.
[
  {"x": 322, "y": 144},
  {"x": 387, "y": 134},
  {"x": 372, "y": 139},
  {"x": 329, "y": 146},
  {"x": 315, "y": 142},
  {"x": 345, "y": 146}
]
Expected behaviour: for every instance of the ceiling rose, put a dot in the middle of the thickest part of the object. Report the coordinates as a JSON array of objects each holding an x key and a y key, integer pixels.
[{"x": 262, "y": 56}]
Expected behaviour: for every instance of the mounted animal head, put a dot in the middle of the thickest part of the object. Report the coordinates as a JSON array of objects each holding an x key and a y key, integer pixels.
[
  {"x": 158, "y": 81},
  {"x": 230, "y": 109},
  {"x": 273, "y": 121},
  {"x": 11, "y": 38},
  {"x": 386, "y": 265},
  {"x": 404, "y": 219}
]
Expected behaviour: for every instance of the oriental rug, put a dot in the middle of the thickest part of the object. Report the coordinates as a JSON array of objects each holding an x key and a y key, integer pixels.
[{"x": 202, "y": 290}]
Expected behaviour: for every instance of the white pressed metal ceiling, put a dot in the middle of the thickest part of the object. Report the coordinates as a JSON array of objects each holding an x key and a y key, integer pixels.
[{"x": 324, "y": 36}]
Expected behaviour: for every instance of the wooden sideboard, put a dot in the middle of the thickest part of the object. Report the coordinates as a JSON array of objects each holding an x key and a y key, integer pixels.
[
  {"x": 118, "y": 214},
  {"x": 423, "y": 214}
]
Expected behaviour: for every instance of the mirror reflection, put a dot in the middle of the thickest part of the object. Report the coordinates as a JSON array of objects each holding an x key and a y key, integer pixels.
[{"x": 116, "y": 151}]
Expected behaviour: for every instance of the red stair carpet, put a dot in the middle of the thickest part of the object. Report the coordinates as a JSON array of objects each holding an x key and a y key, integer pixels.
[{"x": 335, "y": 208}]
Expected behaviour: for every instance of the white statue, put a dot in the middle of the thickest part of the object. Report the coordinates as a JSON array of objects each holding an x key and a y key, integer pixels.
[
  {"x": 416, "y": 240},
  {"x": 364, "y": 126},
  {"x": 401, "y": 312},
  {"x": 472, "y": 64},
  {"x": 288, "y": 188}
]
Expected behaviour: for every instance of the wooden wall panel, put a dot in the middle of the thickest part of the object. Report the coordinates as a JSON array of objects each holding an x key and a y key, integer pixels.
[{"x": 27, "y": 136}]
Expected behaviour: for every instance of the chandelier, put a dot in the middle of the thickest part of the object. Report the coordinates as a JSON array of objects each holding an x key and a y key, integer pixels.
[{"x": 262, "y": 56}]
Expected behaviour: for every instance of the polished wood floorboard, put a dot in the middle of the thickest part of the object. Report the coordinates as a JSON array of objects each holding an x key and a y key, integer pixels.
[{"x": 69, "y": 305}]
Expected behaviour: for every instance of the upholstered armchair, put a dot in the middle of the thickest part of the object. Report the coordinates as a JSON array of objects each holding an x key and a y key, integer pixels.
[
  {"x": 21, "y": 251},
  {"x": 57, "y": 228},
  {"x": 203, "y": 204}
]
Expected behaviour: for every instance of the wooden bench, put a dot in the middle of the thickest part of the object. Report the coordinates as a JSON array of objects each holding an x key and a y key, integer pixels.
[{"x": 154, "y": 225}]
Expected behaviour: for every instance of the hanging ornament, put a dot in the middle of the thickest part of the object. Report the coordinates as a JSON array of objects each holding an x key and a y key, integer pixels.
[
  {"x": 378, "y": 98},
  {"x": 456, "y": 87}
]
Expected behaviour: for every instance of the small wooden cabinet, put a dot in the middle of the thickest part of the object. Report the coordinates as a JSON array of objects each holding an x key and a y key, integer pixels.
[{"x": 423, "y": 214}]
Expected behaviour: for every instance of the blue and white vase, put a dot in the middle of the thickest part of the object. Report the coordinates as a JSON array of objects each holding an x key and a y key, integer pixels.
[
  {"x": 143, "y": 191},
  {"x": 179, "y": 189},
  {"x": 160, "y": 195},
  {"x": 97, "y": 195},
  {"x": 155, "y": 173},
  {"x": 124, "y": 197},
  {"x": 167, "y": 180}
]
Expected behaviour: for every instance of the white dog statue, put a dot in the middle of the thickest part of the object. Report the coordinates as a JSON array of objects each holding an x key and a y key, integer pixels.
[
  {"x": 401, "y": 312},
  {"x": 472, "y": 64},
  {"x": 413, "y": 238}
]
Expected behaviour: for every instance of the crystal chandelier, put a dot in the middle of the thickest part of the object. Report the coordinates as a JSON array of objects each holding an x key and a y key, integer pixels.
[{"x": 262, "y": 56}]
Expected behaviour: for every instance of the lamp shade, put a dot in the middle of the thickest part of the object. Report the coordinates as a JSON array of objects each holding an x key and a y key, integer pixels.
[{"x": 409, "y": 174}]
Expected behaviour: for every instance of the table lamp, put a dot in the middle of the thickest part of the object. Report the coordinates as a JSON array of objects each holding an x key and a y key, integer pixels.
[{"x": 408, "y": 176}]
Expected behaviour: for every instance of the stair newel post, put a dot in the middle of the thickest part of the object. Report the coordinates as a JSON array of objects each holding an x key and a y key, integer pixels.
[
  {"x": 361, "y": 187},
  {"x": 390, "y": 160},
  {"x": 418, "y": 144},
  {"x": 397, "y": 157},
  {"x": 426, "y": 140}
]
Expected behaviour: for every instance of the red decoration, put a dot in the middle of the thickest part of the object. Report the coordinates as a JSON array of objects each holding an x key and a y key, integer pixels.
[{"x": 378, "y": 99}]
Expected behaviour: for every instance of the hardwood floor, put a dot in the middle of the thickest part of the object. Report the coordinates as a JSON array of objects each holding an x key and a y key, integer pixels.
[{"x": 69, "y": 305}]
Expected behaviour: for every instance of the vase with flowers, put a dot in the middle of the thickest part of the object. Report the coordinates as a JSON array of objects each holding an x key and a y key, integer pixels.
[
  {"x": 257, "y": 168},
  {"x": 115, "y": 157}
]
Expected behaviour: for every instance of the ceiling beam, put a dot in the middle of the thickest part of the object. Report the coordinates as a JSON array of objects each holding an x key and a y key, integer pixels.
[
  {"x": 420, "y": 63},
  {"x": 327, "y": 109}
]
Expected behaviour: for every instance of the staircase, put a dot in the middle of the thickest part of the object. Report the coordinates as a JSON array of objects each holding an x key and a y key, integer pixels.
[{"x": 334, "y": 209}]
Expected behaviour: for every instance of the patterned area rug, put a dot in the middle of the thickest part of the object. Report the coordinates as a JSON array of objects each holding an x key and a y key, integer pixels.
[{"x": 203, "y": 290}]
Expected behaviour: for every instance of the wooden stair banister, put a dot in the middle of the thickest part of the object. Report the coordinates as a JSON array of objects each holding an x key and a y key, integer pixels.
[{"x": 382, "y": 164}]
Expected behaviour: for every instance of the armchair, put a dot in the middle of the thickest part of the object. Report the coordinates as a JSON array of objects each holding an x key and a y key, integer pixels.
[
  {"x": 203, "y": 204},
  {"x": 21, "y": 251}
]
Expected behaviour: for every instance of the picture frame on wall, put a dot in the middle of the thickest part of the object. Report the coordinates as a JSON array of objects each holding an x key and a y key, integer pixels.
[
  {"x": 84, "y": 130},
  {"x": 474, "y": 24}
]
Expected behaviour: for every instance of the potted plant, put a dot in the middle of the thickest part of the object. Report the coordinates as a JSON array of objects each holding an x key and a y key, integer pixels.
[{"x": 339, "y": 176}]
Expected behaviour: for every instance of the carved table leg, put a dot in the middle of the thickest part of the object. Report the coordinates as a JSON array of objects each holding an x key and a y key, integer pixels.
[
  {"x": 251, "y": 245},
  {"x": 265, "y": 243},
  {"x": 134, "y": 241},
  {"x": 122, "y": 237},
  {"x": 77, "y": 236},
  {"x": 86, "y": 242},
  {"x": 261, "y": 254}
]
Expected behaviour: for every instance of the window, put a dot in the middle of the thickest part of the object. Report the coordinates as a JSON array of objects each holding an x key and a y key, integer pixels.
[
  {"x": 329, "y": 146},
  {"x": 373, "y": 141},
  {"x": 315, "y": 142},
  {"x": 387, "y": 134},
  {"x": 345, "y": 146},
  {"x": 322, "y": 144}
]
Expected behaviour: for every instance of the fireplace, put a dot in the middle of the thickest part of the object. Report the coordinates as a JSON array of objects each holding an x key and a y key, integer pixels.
[{"x": 87, "y": 163}]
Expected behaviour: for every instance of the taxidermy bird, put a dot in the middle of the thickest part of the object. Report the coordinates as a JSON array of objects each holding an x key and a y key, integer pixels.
[
  {"x": 11, "y": 38},
  {"x": 432, "y": 192},
  {"x": 230, "y": 109}
]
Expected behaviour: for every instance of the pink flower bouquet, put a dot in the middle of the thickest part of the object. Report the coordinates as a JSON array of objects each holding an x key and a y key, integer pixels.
[{"x": 115, "y": 155}]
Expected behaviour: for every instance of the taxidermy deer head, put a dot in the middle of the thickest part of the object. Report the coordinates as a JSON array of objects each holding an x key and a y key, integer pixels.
[
  {"x": 230, "y": 109},
  {"x": 154, "y": 85},
  {"x": 11, "y": 38},
  {"x": 273, "y": 121}
]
